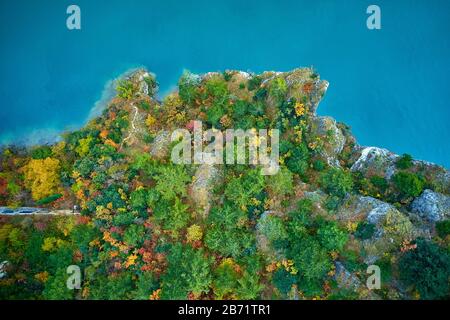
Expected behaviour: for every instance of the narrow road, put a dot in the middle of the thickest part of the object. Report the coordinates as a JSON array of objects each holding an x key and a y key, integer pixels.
[{"x": 23, "y": 211}]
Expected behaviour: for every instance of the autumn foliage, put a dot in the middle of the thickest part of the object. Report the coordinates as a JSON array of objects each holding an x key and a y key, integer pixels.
[{"x": 42, "y": 177}]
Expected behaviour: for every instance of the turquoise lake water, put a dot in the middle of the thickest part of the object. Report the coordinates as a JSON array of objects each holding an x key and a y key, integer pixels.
[{"x": 390, "y": 85}]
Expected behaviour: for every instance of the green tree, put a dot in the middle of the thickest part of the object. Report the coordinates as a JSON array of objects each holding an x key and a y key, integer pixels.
[
  {"x": 249, "y": 286},
  {"x": 113, "y": 287},
  {"x": 227, "y": 231},
  {"x": 216, "y": 88},
  {"x": 336, "y": 182},
  {"x": 331, "y": 237},
  {"x": 299, "y": 220},
  {"x": 379, "y": 183},
  {"x": 404, "y": 162},
  {"x": 225, "y": 279},
  {"x": 278, "y": 88},
  {"x": 56, "y": 287},
  {"x": 126, "y": 89},
  {"x": 215, "y": 113},
  {"x": 283, "y": 281},
  {"x": 145, "y": 285},
  {"x": 187, "y": 87},
  {"x": 152, "y": 84},
  {"x": 138, "y": 199},
  {"x": 273, "y": 228},
  {"x": 229, "y": 241},
  {"x": 254, "y": 83},
  {"x": 319, "y": 165},
  {"x": 171, "y": 181},
  {"x": 172, "y": 216},
  {"x": 240, "y": 190},
  {"x": 408, "y": 184},
  {"x": 61, "y": 258},
  {"x": 282, "y": 183},
  {"x": 188, "y": 272},
  {"x": 297, "y": 162},
  {"x": 33, "y": 254},
  {"x": 443, "y": 228},
  {"x": 365, "y": 230},
  {"x": 84, "y": 166},
  {"x": 427, "y": 269},
  {"x": 41, "y": 152},
  {"x": 134, "y": 235},
  {"x": 49, "y": 199},
  {"x": 123, "y": 218},
  {"x": 84, "y": 146},
  {"x": 313, "y": 264}
]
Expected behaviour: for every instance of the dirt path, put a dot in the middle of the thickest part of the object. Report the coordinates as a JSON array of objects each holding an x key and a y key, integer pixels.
[{"x": 133, "y": 129}]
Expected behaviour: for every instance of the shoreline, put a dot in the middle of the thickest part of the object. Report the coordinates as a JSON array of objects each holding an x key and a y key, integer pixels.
[
  {"x": 30, "y": 137},
  {"x": 52, "y": 135}
]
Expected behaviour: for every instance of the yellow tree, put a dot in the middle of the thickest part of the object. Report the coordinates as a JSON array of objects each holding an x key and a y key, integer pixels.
[
  {"x": 42, "y": 177},
  {"x": 194, "y": 233},
  {"x": 83, "y": 146}
]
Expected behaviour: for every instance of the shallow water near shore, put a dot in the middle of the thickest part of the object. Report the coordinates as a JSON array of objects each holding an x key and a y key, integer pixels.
[{"x": 390, "y": 85}]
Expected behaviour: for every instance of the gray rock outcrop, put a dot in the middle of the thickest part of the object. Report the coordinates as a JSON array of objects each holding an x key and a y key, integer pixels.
[
  {"x": 327, "y": 126},
  {"x": 205, "y": 177},
  {"x": 160, "y": 146},
  {"x": 431, "y": 206}
]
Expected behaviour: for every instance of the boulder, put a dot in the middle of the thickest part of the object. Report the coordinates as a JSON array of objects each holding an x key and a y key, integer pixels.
[
  {"x": 379, "y": 210},
  {"x": 3, "y": 266},
  {"x": 262, "y": 241},
  {"x": 392, "y": 227},
  {"x": 139, "y": 77},
  {"x": 205, "y": 176},
  {"x": 344, "y": 278},
  {"x": 349, "y": 281},
  {"x": 431, "y": 206},
  {"x": 160, "y": 146},
  {"x": 360, "y": 207},
  {"x": 375, "y": 160},
  {"x": 382, "y": 162},
  {"x": 334, "y": 143}
]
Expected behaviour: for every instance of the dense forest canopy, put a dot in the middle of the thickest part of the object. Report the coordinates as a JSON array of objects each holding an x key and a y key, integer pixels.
[{"x": 151, "y": 229}]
